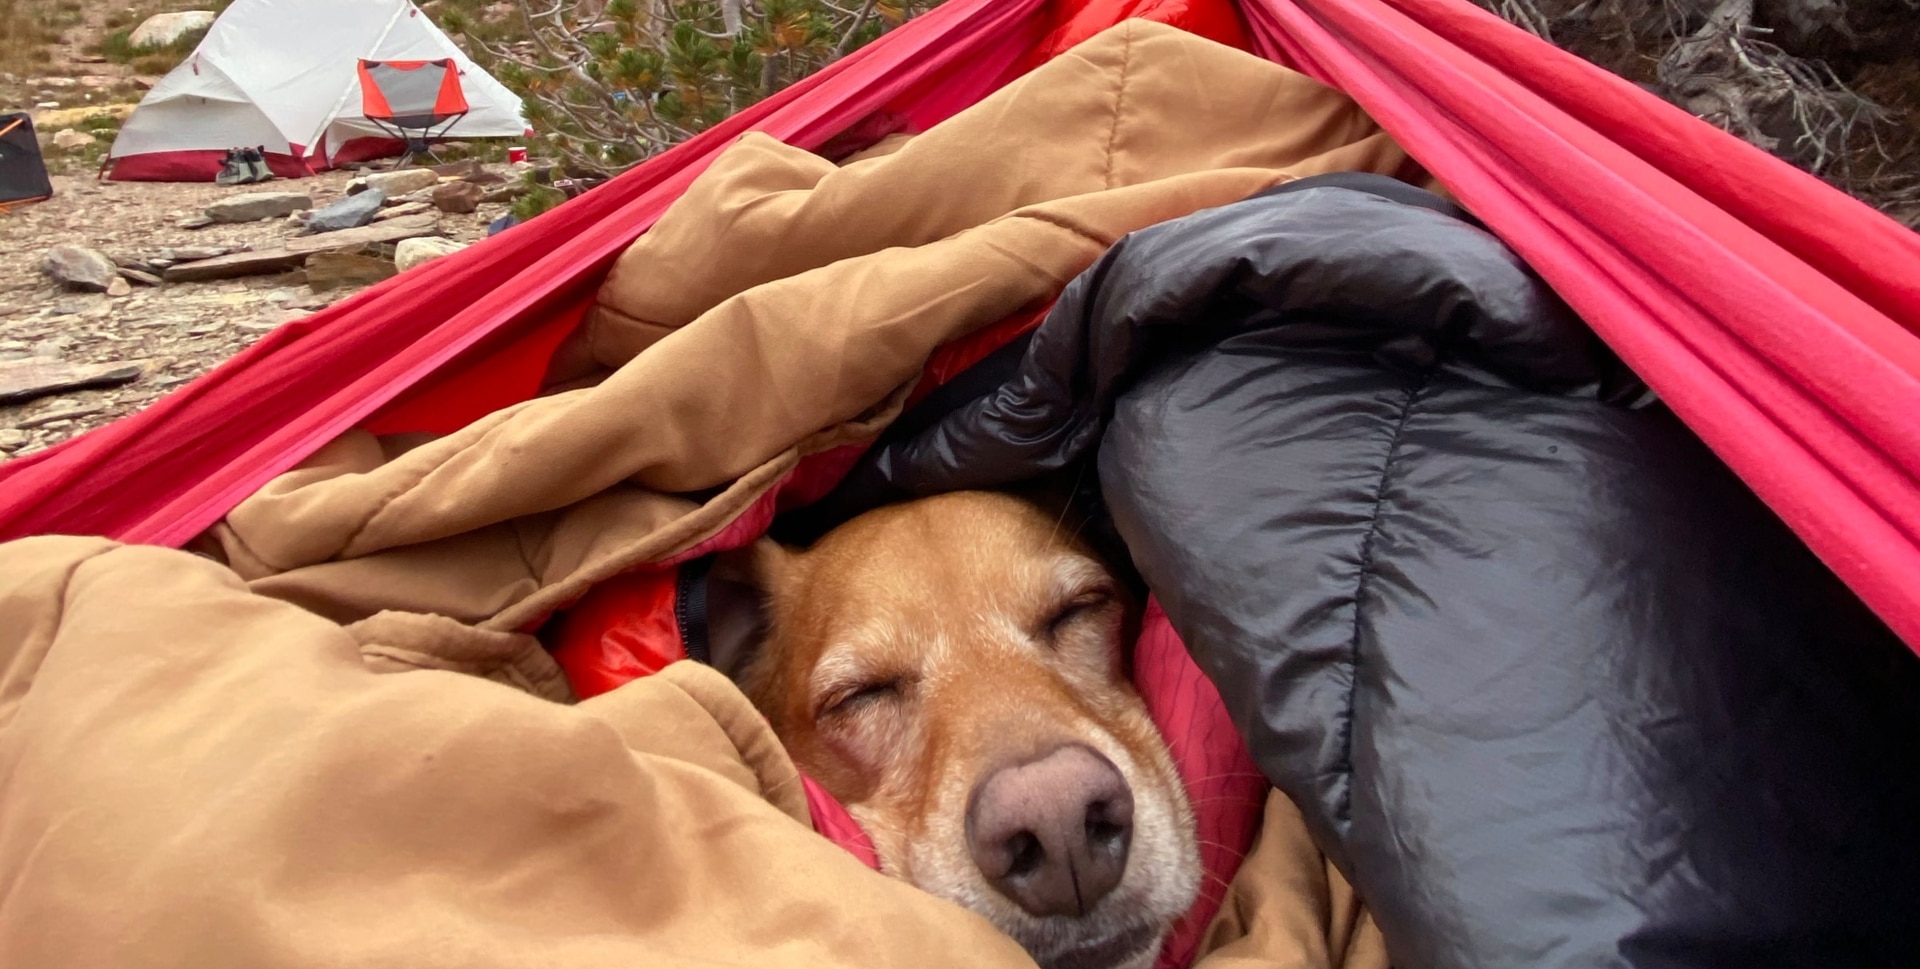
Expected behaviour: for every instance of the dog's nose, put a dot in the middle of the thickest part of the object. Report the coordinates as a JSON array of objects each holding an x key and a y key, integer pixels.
[{"x": 1052, "y": 834}]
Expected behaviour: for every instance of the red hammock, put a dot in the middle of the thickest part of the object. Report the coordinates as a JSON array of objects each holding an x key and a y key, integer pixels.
[{"x": 1779, "y": 318}]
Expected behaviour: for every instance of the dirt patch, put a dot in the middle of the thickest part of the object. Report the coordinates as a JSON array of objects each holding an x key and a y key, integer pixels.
[{"x": 181, "y": 330}]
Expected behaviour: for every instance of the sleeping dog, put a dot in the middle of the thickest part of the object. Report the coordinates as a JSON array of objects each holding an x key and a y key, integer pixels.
[{"x": 950, "y": 669}]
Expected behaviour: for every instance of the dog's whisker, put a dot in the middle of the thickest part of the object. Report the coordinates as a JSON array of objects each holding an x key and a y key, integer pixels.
[{"x": 1232, "y": 776}]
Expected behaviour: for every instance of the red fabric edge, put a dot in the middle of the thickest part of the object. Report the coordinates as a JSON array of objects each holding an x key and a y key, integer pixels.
[
  {"x": 197, "y": 165},
  {"x": 1741, "y": 338}
]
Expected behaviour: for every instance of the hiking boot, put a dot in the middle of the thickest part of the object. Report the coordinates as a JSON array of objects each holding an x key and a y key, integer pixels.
[
  {"x": 257, "y": 164},
  {"x": 234, "y": 169}
]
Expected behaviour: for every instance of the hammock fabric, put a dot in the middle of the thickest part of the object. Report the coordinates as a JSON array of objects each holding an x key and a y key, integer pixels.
[{"x": 1779, "y": 318}]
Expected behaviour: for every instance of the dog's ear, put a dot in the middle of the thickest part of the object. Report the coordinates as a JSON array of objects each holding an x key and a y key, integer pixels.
[{"x": 740, "y": 590}]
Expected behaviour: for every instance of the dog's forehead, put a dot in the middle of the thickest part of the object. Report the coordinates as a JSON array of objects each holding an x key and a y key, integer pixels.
[
  {"x": 927, "y": 618},
  {"x": 941, "y": 578}
]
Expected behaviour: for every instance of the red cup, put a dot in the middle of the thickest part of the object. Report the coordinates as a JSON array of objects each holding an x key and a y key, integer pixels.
[{"x": 516, "y": 154}]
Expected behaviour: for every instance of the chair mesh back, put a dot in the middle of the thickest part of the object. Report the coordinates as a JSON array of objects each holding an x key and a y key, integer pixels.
[{"x": 411, "y": 94}]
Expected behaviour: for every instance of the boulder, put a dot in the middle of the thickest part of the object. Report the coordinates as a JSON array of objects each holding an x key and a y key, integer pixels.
[
  {"x": 350, "y": 212},
  {"x": 162, "y": 29},
  {"x": 395, "y": 183},
  {"x": 458, "y": 197},
  {"x": 254, "y": 206},
  {"x": 413, "y": 252},
  {"x": 77, "y": 267},
  {"x": 70, "y": 139}
]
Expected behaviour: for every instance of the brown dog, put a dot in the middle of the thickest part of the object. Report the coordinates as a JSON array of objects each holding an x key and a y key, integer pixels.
[{"x": 950, "y": 669}]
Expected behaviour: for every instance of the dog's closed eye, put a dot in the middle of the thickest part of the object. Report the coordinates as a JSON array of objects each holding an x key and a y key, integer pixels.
[
  {"x": 1088, "y": 604},
  {"x": 850, "y": 698}
]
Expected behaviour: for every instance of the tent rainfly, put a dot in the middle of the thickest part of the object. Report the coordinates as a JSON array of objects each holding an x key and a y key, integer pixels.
[{"x": 282, "y": 74}]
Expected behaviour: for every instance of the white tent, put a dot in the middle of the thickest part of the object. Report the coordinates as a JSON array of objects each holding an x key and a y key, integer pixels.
[{"x": 281, "y": 73}]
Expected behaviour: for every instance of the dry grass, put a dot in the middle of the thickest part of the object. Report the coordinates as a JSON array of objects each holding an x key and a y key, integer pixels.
[{"x": 25, "y": 35}]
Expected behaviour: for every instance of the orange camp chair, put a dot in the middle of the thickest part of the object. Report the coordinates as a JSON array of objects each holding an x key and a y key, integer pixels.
[{"x": 411, "y": 99}]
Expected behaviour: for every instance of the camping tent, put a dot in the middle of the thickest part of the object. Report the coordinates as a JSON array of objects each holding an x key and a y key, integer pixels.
[
  {"x": 1779, "y": 318},
  {"x": 282, "y": 73}
]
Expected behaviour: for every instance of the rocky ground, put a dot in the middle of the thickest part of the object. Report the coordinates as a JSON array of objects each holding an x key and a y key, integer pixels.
[{"x": 168, "y": 333}]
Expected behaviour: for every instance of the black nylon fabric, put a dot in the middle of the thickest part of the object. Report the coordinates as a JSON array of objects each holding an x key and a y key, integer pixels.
[
  {"x": 1550, "y": 685},
  {"x": 23, "y": 173}
]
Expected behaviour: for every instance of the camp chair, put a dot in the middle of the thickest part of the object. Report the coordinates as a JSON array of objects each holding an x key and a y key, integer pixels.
[
  {"x": 23, "y": 174},
  {"x": 410, "y": 99}
]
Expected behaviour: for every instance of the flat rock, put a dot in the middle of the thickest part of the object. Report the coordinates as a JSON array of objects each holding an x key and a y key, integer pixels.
[
  {"x": 255, "y": 206},
  {"x": 350, "y": 212},
  {"x": 190, "y": 253},
  {"x": 119, "y": 287},
  {"x": 162, "y": 29},
  {"x": 392, "y": 230},
  {"x": 60, "y": 416},
  {"x": 459, "y": 169},
  {"x": 414, "y": 252},
  {"x": 424, "y": 195},
  {"x": 12, "y": 440},
  {"x": 32, "y": 378},
  {"x": 194, "y": 222},
  {"x": 402, "y": 211},
  {"x": 143, "y": 278},
  {"x": 77, "y": 267},
  {"x": 459, "y": 198},
  {"x": 294, "y": 252},
  {"x": 234, "y": 265},
  {"x": 395, "y": 183},
  {"x": 70, "y": 139},
  {"x": 334, "y": 270}
]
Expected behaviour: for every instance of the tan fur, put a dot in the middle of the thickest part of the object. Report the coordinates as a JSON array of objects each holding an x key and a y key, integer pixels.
[{"x": 948, "y": 611}]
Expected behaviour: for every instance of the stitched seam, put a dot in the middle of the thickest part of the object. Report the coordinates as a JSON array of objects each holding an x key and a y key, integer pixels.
[
  {"x": 1119, "y": 101},
  {"x": 1345, "y": 767}
]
